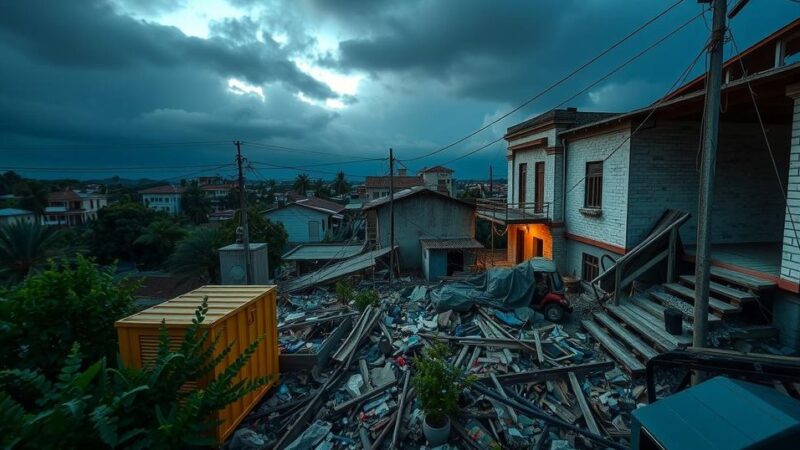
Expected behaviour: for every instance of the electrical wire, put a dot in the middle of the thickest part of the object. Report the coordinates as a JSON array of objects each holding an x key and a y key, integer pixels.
[
  {"x": 591, "y": 85},
  {"x": 552, "y": 86},
  {"x": 107, "y": 145},
  {"x": 105, "y": 169},
  {"x": 680, "y": 80},
  {"x": 304, "y": 169},
  {"x": 296, "y": 149}
]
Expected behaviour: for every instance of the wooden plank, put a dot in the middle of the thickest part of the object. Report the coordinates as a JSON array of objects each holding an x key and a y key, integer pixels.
[
  {"x": 553, "y": 373},
  {"x": 734, "y": 294},
  {"x": 642, "y": 328},
  {"x": 617, "y": 350},
  {"x": 627, "y": 337},
  {"x": 538, "y": 341},
  {"x": 587, "y": 412},
  {"x": 645, "y": 267},
  {"x": 717, "y": 305},
  {"x": 663, "y": 301},
  {"x": 742, "y": 279},
  {"x": 657, "y": 325}
]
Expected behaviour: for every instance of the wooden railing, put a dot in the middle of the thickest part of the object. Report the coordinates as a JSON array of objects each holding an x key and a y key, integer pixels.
[
  {"x": 500, "y": 209},
  {"x": 659, "y": 245}
]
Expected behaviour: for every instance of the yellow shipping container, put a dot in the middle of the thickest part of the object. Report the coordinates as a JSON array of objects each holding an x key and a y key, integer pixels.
[{"x": 240, "y": 314}]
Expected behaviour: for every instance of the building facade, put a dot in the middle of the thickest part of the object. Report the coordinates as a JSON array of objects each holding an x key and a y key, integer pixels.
[
  {"x": 163, "y": 198},
  {"x": 14, "y": 215},
  {"x": 439, "y": 179},
  {"x": 308, "y": 220},
  {"x": 73, "y": 208},
  {"x": 427, "y": 225}
]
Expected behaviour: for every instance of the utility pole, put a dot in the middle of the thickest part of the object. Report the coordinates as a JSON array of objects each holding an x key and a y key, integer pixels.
[
  {"x": 706, "y": 186},
  {"x": 248, "y": 273},
  {"x": 491, "y": 185},
  {"x": 391, "y": 215}
]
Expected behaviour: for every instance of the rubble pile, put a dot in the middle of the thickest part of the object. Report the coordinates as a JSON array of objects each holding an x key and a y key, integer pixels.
[{"x": 346, "y": 378}]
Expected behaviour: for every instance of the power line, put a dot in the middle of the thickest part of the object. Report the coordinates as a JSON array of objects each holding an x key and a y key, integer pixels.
[
  {"x": 680, "y": 80},
  {"x": 111, "y": 145},
  {"x": 105, "y": 169},
  {"x": 272, "y": 166},
  {"x": 303, "y": 150},
  {"x": 554, "y": 85},
  {"x": 593, "y": 84}
]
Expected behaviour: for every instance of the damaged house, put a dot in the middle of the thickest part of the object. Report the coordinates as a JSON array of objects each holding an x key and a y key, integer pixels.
[
  {"x": 586, "y": 188},
  {"x": 433, "y": 231}
]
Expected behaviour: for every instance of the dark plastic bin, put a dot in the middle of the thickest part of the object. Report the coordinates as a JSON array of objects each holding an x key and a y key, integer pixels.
[{"x": 673, "y": 321}]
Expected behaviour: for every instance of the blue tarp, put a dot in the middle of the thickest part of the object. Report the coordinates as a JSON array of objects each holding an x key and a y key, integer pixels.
[{"x": 501, "y": 287}]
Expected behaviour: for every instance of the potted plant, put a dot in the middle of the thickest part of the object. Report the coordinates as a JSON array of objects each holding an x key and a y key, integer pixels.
[{"x": 438, "y": 384}]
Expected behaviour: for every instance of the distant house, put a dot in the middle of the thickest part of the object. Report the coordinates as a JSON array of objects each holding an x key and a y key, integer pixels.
[
  {"x": 70, "y": 208},
  {"x": 434, "y": 232},
  {"x": 163, "y": 198},
  {"x": 218, "y": 195},
  {"x": 439, "y": 179},
  {"x": 307, "y": 219},
  {"x": 14, "y": 215},
  {"x": 377, "y": 187}
]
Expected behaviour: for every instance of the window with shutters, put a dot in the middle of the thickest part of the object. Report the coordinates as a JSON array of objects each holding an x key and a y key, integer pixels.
[{"x": 593, "y": 195}]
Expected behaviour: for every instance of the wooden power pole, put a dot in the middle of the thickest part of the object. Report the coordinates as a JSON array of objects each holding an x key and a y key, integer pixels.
[
  {"x": 248, "y": 273},
  {"x": 706, "y": 187},
  {"x": 391, "y": 215}
]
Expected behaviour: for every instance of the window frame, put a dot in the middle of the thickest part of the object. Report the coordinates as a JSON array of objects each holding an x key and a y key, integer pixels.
[
  {"x": 593, "y": 185},
  {"x": 592, "y": 263}
]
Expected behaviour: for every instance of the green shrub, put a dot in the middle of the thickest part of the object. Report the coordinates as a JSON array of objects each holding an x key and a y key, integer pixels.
[
  {"x": 101, "y": 407},
  {"x": 438, "y": 383},
  {"x": 344, "y": 290},
  {"x": 69, "y": 302},
  {"x": 366, "y": 298}
]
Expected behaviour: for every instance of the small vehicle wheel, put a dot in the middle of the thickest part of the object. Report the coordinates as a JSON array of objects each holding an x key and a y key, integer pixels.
[{"x": 554, "y": 312}]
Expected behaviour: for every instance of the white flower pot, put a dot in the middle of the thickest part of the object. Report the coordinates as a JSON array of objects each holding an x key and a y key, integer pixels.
[{"x": 436, "y": 436}]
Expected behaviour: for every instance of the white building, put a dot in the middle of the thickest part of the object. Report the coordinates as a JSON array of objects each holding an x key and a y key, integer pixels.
[
  {"x": 218, "y": 195},
  {"x": 163, "y": 198},
  {"x": 72, "y": 208},
  {"x": 14, "y": 215},
  {"x": 439, "y": 179}
]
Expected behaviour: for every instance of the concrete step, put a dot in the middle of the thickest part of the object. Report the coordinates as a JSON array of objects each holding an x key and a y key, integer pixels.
[
  {"x": 718, "y": 306},
  {"x": 661, "y": 298},
  {"x": 735, "y": 295},
  {"x": 614, "y": 348},
  {"x": 628, "y": 338},
  {"x": 740, "y": 279}
]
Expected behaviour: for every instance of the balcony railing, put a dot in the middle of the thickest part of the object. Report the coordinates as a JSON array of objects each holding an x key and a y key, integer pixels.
[{"x": 499, "y": 210}]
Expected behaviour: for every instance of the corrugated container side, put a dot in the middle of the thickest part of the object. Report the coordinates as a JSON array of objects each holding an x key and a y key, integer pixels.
[{"x": 138, "y": 344}]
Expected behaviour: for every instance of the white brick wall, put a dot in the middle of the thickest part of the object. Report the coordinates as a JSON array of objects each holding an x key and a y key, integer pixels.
[
  {"x": 747, "y": 205},
  {"x": 610, "y": 226},
  {"x": 790, "y": 261}
]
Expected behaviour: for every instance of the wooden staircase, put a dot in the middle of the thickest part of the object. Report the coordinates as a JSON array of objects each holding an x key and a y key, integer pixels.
[{"x": 632, "y": 329}]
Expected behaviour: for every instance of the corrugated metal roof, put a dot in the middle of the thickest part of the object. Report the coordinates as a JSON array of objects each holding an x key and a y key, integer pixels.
[
  {"x": 400, "y": 195},
  {"x": 222, "y": 300},
  {"x": 453, "y": 244},
  {"x": 316, "y": 252},
  {"x": 337, "y": 270},
  {"x": 9, "y": 212}
]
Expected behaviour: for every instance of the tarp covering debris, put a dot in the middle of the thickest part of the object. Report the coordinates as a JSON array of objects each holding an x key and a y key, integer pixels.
[{"x": 500, "y": 287}]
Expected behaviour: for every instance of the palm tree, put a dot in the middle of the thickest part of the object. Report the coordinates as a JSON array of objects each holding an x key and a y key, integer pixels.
[
  {"x": 340, "y": 184},
  {"x": 159, "y": 238},
  {"x": 196, "y": 255},
  {"x": 302, "y": 183},
  {"x": 195, "y": 204},
  {"x": 34, "y": 197},
  {"x": 321, "y": 189},
  {"x": 24, "y": 245}
]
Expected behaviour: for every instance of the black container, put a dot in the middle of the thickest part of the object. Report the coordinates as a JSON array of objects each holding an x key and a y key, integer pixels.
[{"x": 673, "y": 321}]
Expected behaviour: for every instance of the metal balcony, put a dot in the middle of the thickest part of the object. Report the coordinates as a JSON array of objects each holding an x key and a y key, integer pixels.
[{"x": 499, "y": 211}]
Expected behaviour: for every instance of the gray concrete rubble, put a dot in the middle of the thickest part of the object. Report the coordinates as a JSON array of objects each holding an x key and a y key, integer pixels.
[{"x": 540, "y": 385}]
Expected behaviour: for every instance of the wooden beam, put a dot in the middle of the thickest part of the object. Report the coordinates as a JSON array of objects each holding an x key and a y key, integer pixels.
[
  {"x": 645, "y": 267},
  {"x": 617, "y": 350},
  {"x": 587, "y": 412}
]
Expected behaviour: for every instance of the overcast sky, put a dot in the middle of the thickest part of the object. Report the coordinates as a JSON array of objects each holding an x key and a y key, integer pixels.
[{"x": 171, "y": 83}]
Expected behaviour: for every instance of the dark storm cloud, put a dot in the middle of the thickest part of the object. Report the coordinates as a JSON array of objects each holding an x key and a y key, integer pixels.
[{"x": 92, "y": 35}]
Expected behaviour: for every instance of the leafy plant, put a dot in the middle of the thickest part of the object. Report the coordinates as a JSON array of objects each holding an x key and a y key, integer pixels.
[
  {"x": 196, "y": 255},
  {"x": 344, "y": 290},
  {"x": 24, "y": 246},
  {"x": 68, "y": 302},
  {"x": 123, "y": 407},
  {"x": 366, "y": 298},
  {"x": 438, "y": 383}
]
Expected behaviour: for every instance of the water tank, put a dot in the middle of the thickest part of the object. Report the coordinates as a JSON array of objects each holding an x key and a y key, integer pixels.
[{"x": 232, "y": 267}]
